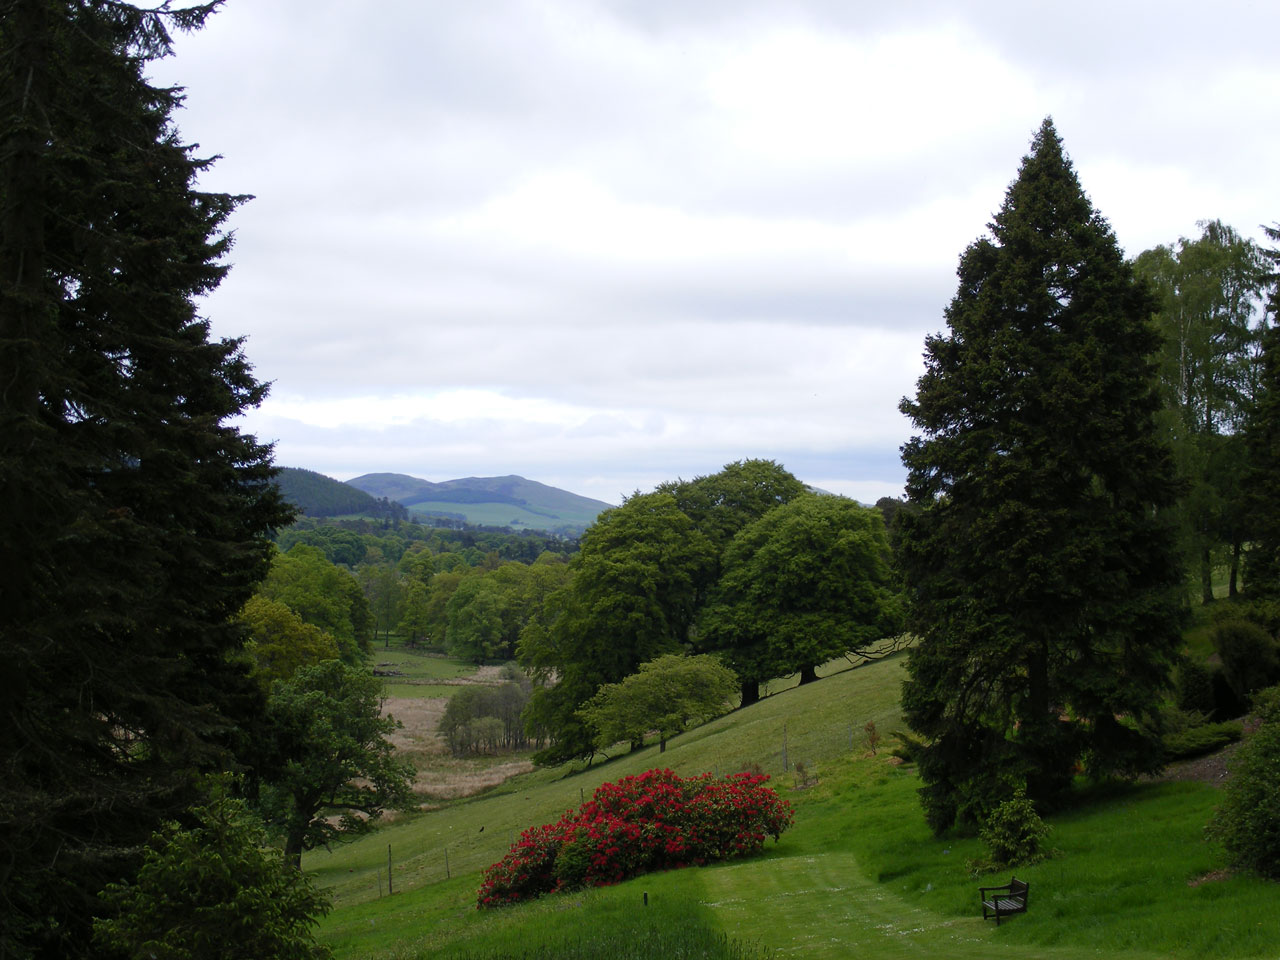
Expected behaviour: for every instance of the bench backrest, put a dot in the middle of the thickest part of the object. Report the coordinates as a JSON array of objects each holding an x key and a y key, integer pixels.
[{"x": 1017, "y": 889}]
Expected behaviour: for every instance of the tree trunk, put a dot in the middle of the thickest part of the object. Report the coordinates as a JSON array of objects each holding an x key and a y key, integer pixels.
[
  {"x": 293, "y": 845},
  {"x": 750, "y": 693},
  {"x": 1233, "y": 580},
  {"x": 1206, "y": 576},
  {"x": 808, "y": 673}
]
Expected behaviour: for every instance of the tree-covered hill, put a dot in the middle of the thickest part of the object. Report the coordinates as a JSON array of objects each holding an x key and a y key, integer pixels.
[
  {"x": 509, "y": 501},
  {"x": 316, "y": 495}
]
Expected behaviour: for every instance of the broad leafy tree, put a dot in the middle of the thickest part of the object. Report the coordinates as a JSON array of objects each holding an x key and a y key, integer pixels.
[
  {"x": 136, "y": 515},
  {"x": 807, "y": 582},
  {"x": 280, "y": 642},
  {"x": 324, "y": 595},
  {"x": 1041, "y": 569},
  {"x": 333, "y": 772},
  {"x": 667, "y": 694},
  {"x": 632, "y": 596},
  {"x": 1207, "y": 299}
]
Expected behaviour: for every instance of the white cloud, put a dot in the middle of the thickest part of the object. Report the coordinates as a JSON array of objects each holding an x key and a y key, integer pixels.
[{"x": 611, "y": 243}]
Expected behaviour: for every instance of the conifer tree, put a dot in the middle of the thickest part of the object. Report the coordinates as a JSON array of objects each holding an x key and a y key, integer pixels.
[
  {"x": 1040, "y": 569},
  {"x": 1262, "y": 435},
  {"x": 135, "y": 517}
]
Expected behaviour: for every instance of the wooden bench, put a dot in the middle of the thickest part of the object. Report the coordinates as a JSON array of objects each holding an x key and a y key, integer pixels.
[{"x": 1002, "y": 901}]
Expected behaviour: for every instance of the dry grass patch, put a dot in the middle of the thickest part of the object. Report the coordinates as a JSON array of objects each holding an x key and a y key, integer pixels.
[{"x": 440, "y": 775}]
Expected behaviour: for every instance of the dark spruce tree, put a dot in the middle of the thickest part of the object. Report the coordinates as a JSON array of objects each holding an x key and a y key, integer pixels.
[
  {"x": 1040, "y": 566},
  {"x": 135, "y": 517},
  {"x": 1262, "y": 437}
]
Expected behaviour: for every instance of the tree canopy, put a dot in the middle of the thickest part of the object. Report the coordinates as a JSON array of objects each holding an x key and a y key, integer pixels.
[
  {"x": 136, "y": 515},
  {"x": 807, "y": 582},
  {"x": 1040, "y": 564},
  {"x": 666, "y": 694}
]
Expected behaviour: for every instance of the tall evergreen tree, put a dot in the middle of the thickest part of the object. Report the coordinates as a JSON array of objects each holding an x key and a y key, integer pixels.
[
  {"x": 135, "y": 518},
  {"x": 1040, "y": 569},
  {"x": 1262, "y": 435}
]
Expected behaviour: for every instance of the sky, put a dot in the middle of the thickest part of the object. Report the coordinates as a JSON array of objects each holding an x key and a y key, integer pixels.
[{"x": 603, "y": 245}]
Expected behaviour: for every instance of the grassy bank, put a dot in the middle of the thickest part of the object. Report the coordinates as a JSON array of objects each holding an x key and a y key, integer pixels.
[{"x": 859, "y": 874}]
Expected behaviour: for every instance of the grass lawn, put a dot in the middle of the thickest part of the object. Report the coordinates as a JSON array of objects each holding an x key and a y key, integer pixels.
[{"x": 858, "y": 876}]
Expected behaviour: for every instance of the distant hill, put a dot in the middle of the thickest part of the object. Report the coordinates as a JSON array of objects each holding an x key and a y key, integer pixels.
[
  {"x": 490, "y": 501},
  {"x": 316, "y": 495}
]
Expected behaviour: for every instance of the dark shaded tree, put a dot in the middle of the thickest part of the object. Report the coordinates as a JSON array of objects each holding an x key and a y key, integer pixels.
[
  {"x": 211, "y": 888},
  {"x": 136, "y": 516},
  {"x": 1041, "y": 569},
  {"x": 1262, "y": 437}
]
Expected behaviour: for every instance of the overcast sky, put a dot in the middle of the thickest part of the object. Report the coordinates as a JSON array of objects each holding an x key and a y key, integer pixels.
[{"x": 607, "y": 244}]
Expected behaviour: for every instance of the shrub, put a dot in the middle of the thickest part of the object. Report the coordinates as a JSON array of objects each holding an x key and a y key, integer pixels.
[
  {"x": 1248, "y": 822},
  {"x": 1195, "y": 687},
  {"x": 1250, "y": 656},
  {"x": 1197, "y": 740},
  {"x": 214, "y": 890},
  {"x": 654, "y": 821},
  {"x": 1014, "y": 832}
]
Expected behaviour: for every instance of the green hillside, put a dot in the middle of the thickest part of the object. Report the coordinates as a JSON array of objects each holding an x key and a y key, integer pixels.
[
  {"x": 858, "y": 876},
  {"x": 509, "y": 501}
]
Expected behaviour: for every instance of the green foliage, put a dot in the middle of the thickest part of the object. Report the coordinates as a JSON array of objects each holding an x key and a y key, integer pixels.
[
  {"x": 1194, "y": 687},
  {"x": 1014, "y": 833},
  {"x": 1196, "y": 740},
  {"x": 808, "y": 581},
  {"x": 334, "y": 771},
  {"x": 1247, "y": 824},
  {"x": 323, "y": 595},
  {"x": 1041, "y": 567},
  {"x": 1262, "y": 441},
  {"x": 210, "y": 889},
  {"x": 632, "y": 596},
  {"x": 136, "y": 514},
  {"x": 667, "y": 694},
  {"x": 486, "y": 719},
  {"x": 1250, "y": 656},
  {"x": 280, "y": 642},
  {"x": 1207, "y": 299}
]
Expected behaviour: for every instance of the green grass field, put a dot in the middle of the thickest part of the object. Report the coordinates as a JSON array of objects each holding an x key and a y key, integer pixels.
[
  {"x": 858, "y": 876},
  {"x": 417, "y": 670}
]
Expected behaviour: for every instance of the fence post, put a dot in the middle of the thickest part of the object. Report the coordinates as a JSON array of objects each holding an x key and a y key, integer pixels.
[
  {"x": 389, "y": 890},
  {"x": 446, "y": 862},
  {"x": 785, "y": 767}
]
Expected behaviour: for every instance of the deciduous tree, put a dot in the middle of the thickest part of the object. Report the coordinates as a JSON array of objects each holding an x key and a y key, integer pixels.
[
  {"x": 808, "y": 581},
  {"x": 334, "y": 771},
  {"x": 632, "y": 596},
  {"x": 666, "y": 694},
  {"x": 1040, "y": 566}
]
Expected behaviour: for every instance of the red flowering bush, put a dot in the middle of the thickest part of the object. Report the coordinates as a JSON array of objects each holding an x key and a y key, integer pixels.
[{"x": 654, "y": 821}]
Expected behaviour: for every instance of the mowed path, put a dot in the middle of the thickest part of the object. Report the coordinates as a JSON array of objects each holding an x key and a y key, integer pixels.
[{"x": 819, "y": 906}]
